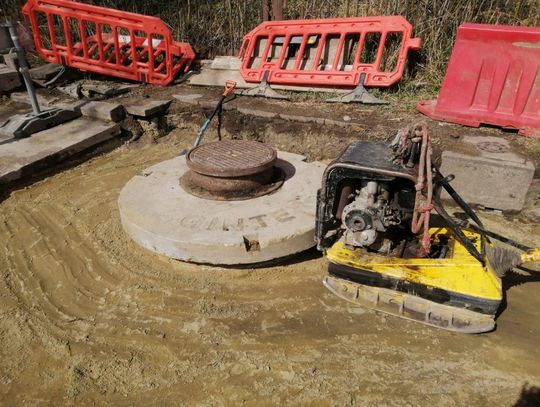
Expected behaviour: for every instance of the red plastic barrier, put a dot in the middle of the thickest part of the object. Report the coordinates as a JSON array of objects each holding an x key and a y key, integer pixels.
[
  {"x": 493, "y": 78},
  {"x": 107, "y": 41},
  {"x": 328, "y": 52}
]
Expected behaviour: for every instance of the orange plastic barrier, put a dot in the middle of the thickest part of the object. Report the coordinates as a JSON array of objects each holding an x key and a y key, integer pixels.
[
  {"x": 493, "y": 77},
  {"x": 328, "y": 52},
  {"x": 107, "y": 41}
]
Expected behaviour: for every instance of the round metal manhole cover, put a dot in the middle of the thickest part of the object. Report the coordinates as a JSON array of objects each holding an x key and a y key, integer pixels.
[
  {"x": 231, "y": 158},
  {"x": 492, "y": 147}
]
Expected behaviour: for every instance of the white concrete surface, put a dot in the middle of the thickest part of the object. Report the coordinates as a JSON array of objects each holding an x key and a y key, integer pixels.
[
  {"x": 106, "y": 111},
  {"x": 46, "y": 148},
  {"x": 488, "y": 172},
  {"x": 159, "y": 215},
  {"x": 9, "y": 79},
  {"x": 146, "y": 107}
]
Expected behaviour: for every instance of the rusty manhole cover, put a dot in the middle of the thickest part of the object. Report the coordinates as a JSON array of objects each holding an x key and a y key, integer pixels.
[
  {"x": 232, "y": 170},
  {"x": 231, "y": 158},
  {"x": 492, "y": 147}
]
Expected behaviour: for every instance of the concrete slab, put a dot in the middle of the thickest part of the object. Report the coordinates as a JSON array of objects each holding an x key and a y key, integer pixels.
[
  {"x": 226, "y": 63},
  {"x": 24, "y": 157},
  {"x": 146, "y": 107},
  {"x": 47, "y": 101},
  {"x": 211, "y": 102},
  {"x": 72, "y": 90},
  {"x": 159, "y": 215},
  {"x": 45, "y": 72},
  {"x": 531, "y": 208},
  {"x": 11, "y": 60},
  {"x": 218, "y": 77},
  {"x": 6, "y": 138},
  {"x": 192, "y": 99},
  {"x": 268, "y": 110},
  {"x": 24, "y": 125},
  {"x": 225, "y": 68},
  {"x": 300, "y": 118},
  {"x": 74, "y": 105},
  {"x": 14, "y": 108},
  {"x": 43, "y": 100},
  {"x": 90, "y": 88},
  {"x": 9, "y": 79},
  {"x": 488, "y": 172},
  {"x": 106, "y": 111},
  {"x": 257, "y": 112}
]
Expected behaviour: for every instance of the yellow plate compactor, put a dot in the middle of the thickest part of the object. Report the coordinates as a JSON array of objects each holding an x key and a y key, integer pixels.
[{"x": 373, "y": 215}]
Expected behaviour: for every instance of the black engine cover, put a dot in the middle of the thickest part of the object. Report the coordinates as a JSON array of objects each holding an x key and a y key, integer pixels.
[{"x": 360, "y": 161}]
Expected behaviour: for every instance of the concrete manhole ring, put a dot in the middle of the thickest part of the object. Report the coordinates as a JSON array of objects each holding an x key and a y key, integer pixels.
[
  {"x": 161, "y": 216},
  {"x": 233, "y": 189}
]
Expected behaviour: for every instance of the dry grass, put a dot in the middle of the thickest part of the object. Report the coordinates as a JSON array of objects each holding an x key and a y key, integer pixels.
[{"x": 217, "y": 26}]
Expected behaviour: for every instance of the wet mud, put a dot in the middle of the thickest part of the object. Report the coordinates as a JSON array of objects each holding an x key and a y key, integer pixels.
[{"x": 87, "y": 317}]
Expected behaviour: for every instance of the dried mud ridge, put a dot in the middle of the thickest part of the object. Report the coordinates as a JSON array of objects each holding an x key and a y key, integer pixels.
[{"x": 87, "y": 316}]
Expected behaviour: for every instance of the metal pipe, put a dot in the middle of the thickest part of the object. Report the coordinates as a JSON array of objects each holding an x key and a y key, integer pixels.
[{"x": 23, "y": 67}]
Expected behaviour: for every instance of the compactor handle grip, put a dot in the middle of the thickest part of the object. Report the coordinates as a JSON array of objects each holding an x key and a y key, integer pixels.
[{"x": 230, "y": 86}]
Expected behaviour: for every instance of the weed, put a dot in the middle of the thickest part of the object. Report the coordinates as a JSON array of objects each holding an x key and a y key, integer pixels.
[{"x": 218, "y": 26}]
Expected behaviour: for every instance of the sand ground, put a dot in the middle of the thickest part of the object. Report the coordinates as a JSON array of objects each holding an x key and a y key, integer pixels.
[{"x": 87, "y": 317}]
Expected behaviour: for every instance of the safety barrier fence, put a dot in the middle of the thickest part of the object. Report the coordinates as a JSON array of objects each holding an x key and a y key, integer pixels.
[
  {"x": 107, "y": 41},
  {"x": 328, "y": 52}
]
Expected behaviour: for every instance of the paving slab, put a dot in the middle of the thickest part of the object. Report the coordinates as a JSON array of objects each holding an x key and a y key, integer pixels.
[
  {"x": 74, "y": 105},
  {"x": 11, "y": 60},
  {"x": 45, "y": 72},
  {"x": 267, "y": 108},
  {"x": 15, "y": 108},
  {"x": 106, "y": 111},
  {"x": 226, "y": 63},
  {"x": 24, "y": 157},
  {"x": 257, "y": 112},
  {"x": 160, "y": 216},
  {"x": 44, "y": 100},
  {"x": 211, "y": 102},
  {"x": 218, "y": 77},
  {"x": 302, "y": 119},
  {"x": 48, "y": 101},
  {"x": 192, "y": 99},
  {"x": 9, "y": 79},
  {"x": 72, "y": 90},
  {"x": 105, "y": 88},
  {"x": 488, "y": 173},
  {"x": 146, "y": 107}
]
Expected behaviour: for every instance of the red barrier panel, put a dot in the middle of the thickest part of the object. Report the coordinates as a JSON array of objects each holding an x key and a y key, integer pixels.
[
  {"x": 493, "y": 78},
  {"x": 107, "y": 41},
  {"x": 328, "y": 52}
]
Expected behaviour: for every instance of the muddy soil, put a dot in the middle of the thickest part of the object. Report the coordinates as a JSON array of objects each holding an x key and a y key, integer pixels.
[{"x": 87, "y": 317}]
